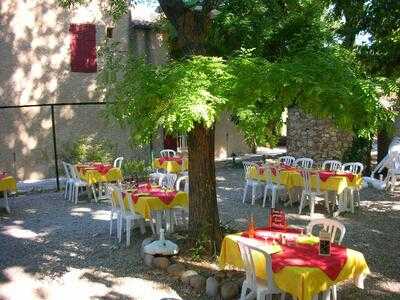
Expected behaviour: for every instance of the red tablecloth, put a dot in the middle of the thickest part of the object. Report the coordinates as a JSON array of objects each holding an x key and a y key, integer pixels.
[
  {"x": 305, "y": 255},
  {"x": 179, "y": 160},
  {"x": 165, "y": 196}
]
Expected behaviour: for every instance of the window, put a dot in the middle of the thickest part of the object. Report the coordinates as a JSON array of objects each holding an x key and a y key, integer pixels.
[{"x": 83, "y": 48}]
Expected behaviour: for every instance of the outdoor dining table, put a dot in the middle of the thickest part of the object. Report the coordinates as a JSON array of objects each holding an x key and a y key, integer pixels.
[
  {"x": 175, "y": 164},
  {"x": 291, "y": 178},
  {"x": 151, "y": 200},
  {"x": 298, "y": 269},
  {"x": 99, "y": 173},
  {"x": 7, "y": 184}
]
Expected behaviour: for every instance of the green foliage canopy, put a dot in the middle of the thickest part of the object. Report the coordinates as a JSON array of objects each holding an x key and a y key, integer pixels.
[{"x": 176, "y": 96}]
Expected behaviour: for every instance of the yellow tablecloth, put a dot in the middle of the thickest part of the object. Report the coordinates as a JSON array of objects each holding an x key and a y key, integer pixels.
[
  {"x": 94, "y": 176},
  {"x": 301, "y": 282},
  {"x": 292, "y": 178},
  {"x": 8, "y": 184},
  {"x": 171, "y": 166},
  {"x": 146, "y": 204}
]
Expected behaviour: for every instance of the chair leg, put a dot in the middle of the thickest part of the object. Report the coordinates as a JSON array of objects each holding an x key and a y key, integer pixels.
[
  {"x": 312, "y": 204},
  {"x": 273, "y": 197},
  {"x": 253, "y": 194},
  {"x": 244, "y": 291},
  {"x": 244, "y": 193},
  {"x": 111, "y": 221},
  {"x": 303, "y": 196},
  {"x": 128, "y": 232},
  {"x": 326, "y": 295},
  {"x": 326, "y": 198},
  {"x": 76, "y": 194},
  {"x": 334, "y": 292},
  {"x": 142, "y": 226},
  {"x": 119, "y": 224},
  {"x": 6, "y": 205},
  {"x": 265, "y": 195}
]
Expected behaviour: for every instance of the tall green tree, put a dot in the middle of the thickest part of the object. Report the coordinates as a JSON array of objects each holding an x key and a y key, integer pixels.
[{"x": 189, "y": 93}]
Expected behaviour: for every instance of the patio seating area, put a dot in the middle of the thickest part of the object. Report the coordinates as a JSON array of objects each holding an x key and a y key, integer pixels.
[{"x": 49, "y": 239}]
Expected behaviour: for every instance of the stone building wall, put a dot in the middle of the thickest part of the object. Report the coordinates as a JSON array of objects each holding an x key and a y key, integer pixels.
[
  {"x": 35, "y": 69},
  {"x": 318, "y": 139}
]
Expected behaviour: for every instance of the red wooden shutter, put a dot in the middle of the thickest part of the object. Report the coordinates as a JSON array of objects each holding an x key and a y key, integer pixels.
[{"x": 83, "y": 48}]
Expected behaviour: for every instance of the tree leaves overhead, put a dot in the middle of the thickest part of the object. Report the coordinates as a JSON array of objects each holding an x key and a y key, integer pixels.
[{"x": 176, "y": 96}]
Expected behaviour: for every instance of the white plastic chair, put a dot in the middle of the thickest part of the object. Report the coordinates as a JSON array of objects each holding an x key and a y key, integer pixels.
[
  {"x": 332, "y": 165},
  {"x": 181, "y": 214},
  {"x": 309, "y": 194},
  {"x": 118, "y": 162},
  {"x": 337, "y": 231},
  {"x": 185, "y": 180},
  {"x": 258, "y": 287},
  {"x": 128, "y": 215},
  {"x": 356, "y": 168},
  {"x": 77, "y": 183},
  {"x": 69, "y": 182},
  {"x": 249, "y": 182},
  {"x": 275, "y": 187},
  {"x": 115, "y": 209},
  {"x": 353, "y": 167},
  {"x": 168, "y": 153},
  {"x": 287, "y": 160},
  {"x": 167, "y": 180},
  {"x": 304, "y": 163}
]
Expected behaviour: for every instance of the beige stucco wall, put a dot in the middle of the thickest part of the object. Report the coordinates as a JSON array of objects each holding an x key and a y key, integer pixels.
[{"x": 35, "y": 68}]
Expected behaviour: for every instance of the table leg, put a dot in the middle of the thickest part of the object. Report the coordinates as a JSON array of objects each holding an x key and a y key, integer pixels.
[
  {"x": 6, "y": 202},
  {"x": 158, "y": 221}
]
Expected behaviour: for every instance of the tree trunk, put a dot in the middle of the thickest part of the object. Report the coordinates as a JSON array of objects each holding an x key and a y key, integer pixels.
[
  {"x": 383, "y": 144},
  {"x": 192, "y": 27},
  {"x": 203, "y": 208}
]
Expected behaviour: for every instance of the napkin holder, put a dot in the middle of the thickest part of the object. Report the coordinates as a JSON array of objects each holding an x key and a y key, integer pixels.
[
  {"x": 324, "y": 243},
  {"x": 277, "y": 219}
]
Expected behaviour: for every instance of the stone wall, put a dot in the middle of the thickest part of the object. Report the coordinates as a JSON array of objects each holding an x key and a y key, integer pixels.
[{"x": 318, "y": 139}]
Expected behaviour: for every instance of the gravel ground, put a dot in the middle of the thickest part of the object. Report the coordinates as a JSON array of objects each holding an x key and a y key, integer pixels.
[{"x": 51, "y": 248}]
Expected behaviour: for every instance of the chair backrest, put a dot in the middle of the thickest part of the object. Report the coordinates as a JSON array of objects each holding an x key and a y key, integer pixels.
[
  {"x": 332, "y": 226},
  {"x": 118, "y": 162},
  {"x": 267, "y": 173},
  {"x": 185, "y": 179},
  {"x": 66, "y": 170},
  {"x": 287, "y": 160},
  {"x": 304, "y": 163},
  {"x": 73, "y": 170},
  {"x": 247, "y": 253},
  {"x": 116, "y": 195},
  {"x": 168, "y": 153},
  {"x": 353, "y": 167},
  {"x": 167, "y": 180},
  {"x": 109, "y": 192},
  {"x": 332, "y": 165},
  {"x": 247, "y": 167},
  {"x": 305, "y": 174}
]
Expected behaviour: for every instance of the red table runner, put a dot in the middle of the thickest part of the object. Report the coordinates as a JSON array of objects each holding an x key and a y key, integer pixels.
[
  {"x": 179, "y": 160},
  {"x": 324, "y": 175},
  {"x": 99, "y": 167},
  {"x": 305, "y": 255},
  {"x": 165, "y": 196}
]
